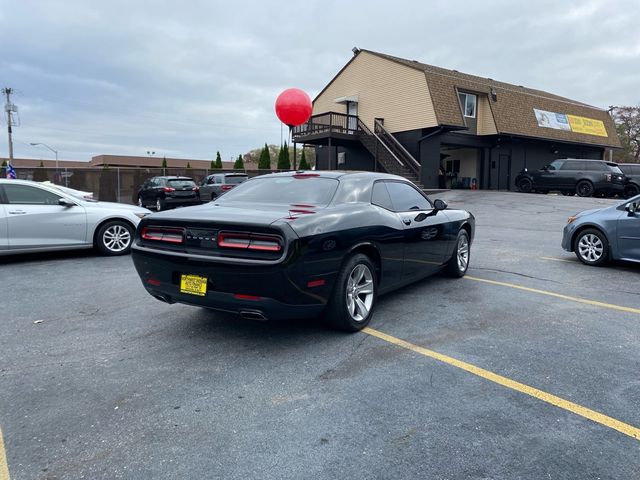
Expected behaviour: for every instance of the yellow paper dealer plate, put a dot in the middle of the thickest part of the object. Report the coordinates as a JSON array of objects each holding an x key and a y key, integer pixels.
[{"x": 193, "y": 284}]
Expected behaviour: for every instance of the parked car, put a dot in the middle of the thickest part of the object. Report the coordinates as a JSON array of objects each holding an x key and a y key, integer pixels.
[
  {"x": 574, "y": 175},
  {"x": 36, "y": 217},
  {"x": 165, "y": 192},
  {"x": 297, "y": 245},
  {"x": 215, "y": 185},
  {"x": 632, "y": 172},
  {"x": 611, "y": 233}
]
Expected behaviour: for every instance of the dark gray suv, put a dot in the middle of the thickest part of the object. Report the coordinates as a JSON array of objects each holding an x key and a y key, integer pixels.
[
  {"x": 574, "y": 176},
  {"x": 632, "y": 172}
]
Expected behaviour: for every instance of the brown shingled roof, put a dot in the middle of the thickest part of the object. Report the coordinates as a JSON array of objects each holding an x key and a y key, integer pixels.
[{"x": 513, "y": 109}]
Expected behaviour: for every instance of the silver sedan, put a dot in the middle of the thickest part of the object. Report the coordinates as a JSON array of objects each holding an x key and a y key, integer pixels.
[
  {"x": 611, "y": 233},
  {"x": 36, "y": 217}
]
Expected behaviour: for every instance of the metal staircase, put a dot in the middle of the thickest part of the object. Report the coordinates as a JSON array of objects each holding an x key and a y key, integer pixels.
[{"x": 389, "y": 152}]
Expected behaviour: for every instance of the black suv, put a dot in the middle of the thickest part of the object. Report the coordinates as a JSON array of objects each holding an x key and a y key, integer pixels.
[
  {"x": 164, "y": 192},
  {"x": 632, "y": 172},
  {"x": 574, "y": 175}
]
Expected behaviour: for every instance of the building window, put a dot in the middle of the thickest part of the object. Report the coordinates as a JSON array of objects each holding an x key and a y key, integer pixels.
[{"x": 468, "y": 104}]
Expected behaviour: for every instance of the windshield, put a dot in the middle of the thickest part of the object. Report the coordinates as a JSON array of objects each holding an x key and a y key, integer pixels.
[
  {"x": 296, "y": 189},
  {"x": 181, "y": 183},
  {"x": 235, "y": 179}
]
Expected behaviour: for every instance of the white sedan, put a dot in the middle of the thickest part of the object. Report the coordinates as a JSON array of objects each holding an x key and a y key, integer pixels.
[{"x": 36, "y": 217}]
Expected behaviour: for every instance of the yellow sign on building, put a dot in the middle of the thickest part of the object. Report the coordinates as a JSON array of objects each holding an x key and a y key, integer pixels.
[{"x": 589, "y": 126}]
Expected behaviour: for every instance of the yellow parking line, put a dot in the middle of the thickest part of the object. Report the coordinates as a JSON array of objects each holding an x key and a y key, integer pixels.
[
  {"x": 557, "y": 295},
  {"x": 4, "y": 468},
  {"x": 585, "y": 412},
  {"x": 558, "y": 259}
]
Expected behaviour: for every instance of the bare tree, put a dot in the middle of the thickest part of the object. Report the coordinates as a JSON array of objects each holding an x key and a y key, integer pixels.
[{"x": 628, "y": 126}]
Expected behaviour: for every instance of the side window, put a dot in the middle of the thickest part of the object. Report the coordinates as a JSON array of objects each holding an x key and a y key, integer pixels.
[
  {"x": 573, "y": 165},
  {"x": 595, "y": 166},
  {"x": 555, "y": 165},
  {"x": 210, "y": 180},
  {"x": 406, "y": 198},
  {"x": 380, "y": 196},
  {"x": 218, "y": 179},
  {"x": 26, "y": 195}
]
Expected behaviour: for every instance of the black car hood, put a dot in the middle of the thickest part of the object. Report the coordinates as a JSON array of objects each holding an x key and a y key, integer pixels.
[{"x": 245, "y": 213}]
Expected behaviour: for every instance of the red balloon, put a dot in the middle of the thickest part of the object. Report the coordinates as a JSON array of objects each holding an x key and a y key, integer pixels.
[{"x": 293, "y": 107}]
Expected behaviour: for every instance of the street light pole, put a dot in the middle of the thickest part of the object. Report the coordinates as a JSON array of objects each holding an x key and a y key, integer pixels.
[{"x": 47, "y": 146}]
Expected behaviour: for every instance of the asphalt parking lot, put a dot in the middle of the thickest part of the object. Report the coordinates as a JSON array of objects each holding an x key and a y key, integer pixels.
[{"x": 526, "y": 368}]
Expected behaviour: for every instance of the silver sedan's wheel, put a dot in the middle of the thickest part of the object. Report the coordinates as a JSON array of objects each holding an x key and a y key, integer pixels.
[
  {"x": 591, "y": 247},
  {"x": 463, "y": 253},
  {"x": 114, "y": 238},
  {"x": 359, "y": 292}
]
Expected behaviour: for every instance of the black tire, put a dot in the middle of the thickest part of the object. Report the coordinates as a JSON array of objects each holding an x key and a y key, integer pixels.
[
  {"x": 114, "y": 238},
  {"x": 343, "y": 311},
  {"x": 591, "y": 247},
  {"x": 458, "y": 264},
  {"x": 159, "y": 204},
  {"x": 525, "y": 185},
  {"x": 631, "y": 190},
  {"x": 584, "y": 188}
]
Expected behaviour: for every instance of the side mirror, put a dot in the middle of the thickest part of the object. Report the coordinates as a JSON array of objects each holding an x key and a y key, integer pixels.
[
  {"x": 439, "y": 204},
  {"x": 66, "y": 203},
  {"x": 632, "y": 208}
]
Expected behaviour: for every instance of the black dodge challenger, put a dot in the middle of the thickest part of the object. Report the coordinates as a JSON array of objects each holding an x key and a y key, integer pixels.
[{"x": 302, "y": 244}]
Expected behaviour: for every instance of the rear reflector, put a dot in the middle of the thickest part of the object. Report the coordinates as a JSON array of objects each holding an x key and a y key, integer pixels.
[
  {"x": 153, "y": 281},
  {"x": 315, "y": 283},
  {"x": 239, "y": 296},
  {"x": 162, "y": 234},
  {"x": 168, "y": 189},
  {"x": 249, "y": 241}
]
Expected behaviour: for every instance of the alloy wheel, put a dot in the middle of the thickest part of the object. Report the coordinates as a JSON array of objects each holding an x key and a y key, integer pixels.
[
  {"x": 590, "y": 247},
  {"x": 359, "y": 292},
  {"x": 116, "y": 238},
  {"x": 463, "y": 253}
]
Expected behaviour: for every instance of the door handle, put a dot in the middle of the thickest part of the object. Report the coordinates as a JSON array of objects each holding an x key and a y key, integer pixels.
[
  {"x": 17, "y": 212},
  {"x": 406, "y": 221}
]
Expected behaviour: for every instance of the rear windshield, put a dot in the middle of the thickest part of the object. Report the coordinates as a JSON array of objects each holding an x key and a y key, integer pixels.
[
  {"x": 297, "y": 189},
  {"x": 235, "y": 179},
  {"x": 181, "y": 183}
]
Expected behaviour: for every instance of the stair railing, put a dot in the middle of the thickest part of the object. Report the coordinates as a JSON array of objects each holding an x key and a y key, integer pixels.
[{"x": 396, "y": 148}]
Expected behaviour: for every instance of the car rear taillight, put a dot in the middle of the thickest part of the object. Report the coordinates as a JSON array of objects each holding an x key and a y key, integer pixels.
[
  {"x": 163, "y": 234},
  {"x": 196, "y": 189},
  {"x": 226, "y": 188},
  {"x": 168, "y": 189},
  {"x": 249, "y": 241},
  {"x": 608, "y": 177}
]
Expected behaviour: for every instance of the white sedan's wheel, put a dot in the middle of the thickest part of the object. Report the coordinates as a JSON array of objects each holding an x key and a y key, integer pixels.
[{"x": 114, "y": 238}]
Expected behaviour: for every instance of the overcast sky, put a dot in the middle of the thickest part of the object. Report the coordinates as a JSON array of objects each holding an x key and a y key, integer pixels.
[{"x": 188, "y": 78}]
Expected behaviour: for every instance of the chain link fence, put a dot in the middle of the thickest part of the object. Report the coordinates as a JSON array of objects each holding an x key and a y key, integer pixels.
[{"x": 116, "y": 184}]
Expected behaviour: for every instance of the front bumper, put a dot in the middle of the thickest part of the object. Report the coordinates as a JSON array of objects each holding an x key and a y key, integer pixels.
[
  {"x": 567, "y": 235},
  {"x": 271, "y": 291}
]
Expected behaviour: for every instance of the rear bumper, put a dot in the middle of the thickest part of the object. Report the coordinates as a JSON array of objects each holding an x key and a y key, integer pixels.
[
  {"x": 271, "y": 291},
  {"x": 177, "y": 201}
]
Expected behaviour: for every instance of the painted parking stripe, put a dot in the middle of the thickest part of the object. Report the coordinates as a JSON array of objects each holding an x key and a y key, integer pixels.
[
  {"x": 4, "y": 468},
  {"x": 557, "y": 295},
  {"x": 553, "y": 259},
  {"x": 584, "y": 412}
]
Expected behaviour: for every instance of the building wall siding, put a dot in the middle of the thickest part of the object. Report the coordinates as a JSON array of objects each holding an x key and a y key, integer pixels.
[
  {"x": 486, "y": 124},
  {"x": 385, "y": 89}
]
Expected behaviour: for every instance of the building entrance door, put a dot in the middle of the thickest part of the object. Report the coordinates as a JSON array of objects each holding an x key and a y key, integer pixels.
[
  {"x": 504, "y": 172},
  {"x": 352, "y": 111}
]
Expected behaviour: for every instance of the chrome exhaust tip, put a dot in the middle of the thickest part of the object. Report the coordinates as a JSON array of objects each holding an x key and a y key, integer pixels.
[{"x": 253, "y": 315}]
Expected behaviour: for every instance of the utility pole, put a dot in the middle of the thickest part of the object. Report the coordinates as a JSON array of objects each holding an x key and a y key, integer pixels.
[{"x": 9, "y": 108}]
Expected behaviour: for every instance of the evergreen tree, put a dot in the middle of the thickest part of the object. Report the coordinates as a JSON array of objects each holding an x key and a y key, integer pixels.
[
  {"x": 164, "y": 162},
  {"x": 303, "y": 162},
  {"x": 212, "y": 165},
  {"x": 41, "y": 164},
  {"x": 188, "y": 165},
  {"x": 4, "y": 163},
  {"x": 218, "y": 164},
  {"x": 283, "y": 158},
  {"x": 265, "y": 159},
  {"x": 239, "y": 165}
]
